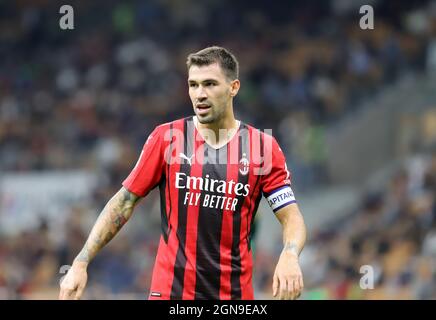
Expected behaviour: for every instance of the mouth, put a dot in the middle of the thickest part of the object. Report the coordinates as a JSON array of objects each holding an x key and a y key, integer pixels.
[{"x": 202, "y": 108}]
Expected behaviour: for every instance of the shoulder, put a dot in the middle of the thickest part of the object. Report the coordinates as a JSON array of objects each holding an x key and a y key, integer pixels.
[
  {"x": 163, "y": 128},
  {"x": 265, "y": 135},
  {"x": 175, "y": 124}
]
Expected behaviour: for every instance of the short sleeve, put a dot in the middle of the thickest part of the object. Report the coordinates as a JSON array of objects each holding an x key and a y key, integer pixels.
[
  {"x": 150, "y": 166},
  {"x": 276, "y": 182}
]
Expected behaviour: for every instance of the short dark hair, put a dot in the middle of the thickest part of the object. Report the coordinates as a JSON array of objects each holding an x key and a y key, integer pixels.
[{"x": 207, "y": 56}]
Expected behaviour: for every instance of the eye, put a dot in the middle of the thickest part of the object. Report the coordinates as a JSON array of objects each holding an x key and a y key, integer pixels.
[
  {"x": 193, "y": 85},
  {"x": 210, "y": 84}
]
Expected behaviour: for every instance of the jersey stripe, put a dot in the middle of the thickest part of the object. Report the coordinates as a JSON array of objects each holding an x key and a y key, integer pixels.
[
  {"x": 163, "y": 209},
  {"x": 248, "y": 212},
  {"x": 163, "y": 271},
  {"x": 227, "y": 224},
  {"x": 244, "y": 152},
  {"x": 165, "y": 194},
  {"x": 208, "y": 248},
  {"x": 180, "y": 263},
  {"x": 192, "y": 225},
  {"x": 258, "y": 196}
]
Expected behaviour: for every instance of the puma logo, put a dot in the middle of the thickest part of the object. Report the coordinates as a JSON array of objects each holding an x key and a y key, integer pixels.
[{"x": 183, "y": 156}]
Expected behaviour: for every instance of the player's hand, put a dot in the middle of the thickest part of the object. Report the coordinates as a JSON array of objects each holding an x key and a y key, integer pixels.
[
  {"x": 288, "y": 278},
  {"x": 74, "y": 282}
]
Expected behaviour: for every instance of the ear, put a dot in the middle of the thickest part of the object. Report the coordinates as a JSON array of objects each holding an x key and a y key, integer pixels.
[{"x": 234, "y": 87}]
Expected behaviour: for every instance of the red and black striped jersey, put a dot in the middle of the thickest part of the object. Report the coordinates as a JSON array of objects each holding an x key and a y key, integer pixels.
[{"x": 209, "y": 197}]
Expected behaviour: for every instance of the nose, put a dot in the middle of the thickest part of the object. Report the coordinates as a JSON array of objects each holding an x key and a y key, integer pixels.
[{"x": 201, "y": 93}]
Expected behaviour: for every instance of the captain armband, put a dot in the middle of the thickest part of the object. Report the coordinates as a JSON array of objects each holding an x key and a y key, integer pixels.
[{"x": 280, "y": 198}]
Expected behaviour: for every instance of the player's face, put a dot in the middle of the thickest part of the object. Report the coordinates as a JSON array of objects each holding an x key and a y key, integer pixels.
[{"x": 210, "y": 92}]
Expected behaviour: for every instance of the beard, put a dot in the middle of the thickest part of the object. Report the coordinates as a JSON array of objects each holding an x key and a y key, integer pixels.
[
  {"x": 212, "y": 116},
  {"x": 209, "y": 118}
]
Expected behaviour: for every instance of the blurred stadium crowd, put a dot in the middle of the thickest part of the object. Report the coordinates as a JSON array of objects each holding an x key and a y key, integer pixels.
[
  {"x": 393, "y": 231},
  {"x": 87, "y": 99}
]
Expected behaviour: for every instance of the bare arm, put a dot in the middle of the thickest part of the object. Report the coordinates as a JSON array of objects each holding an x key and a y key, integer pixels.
[
  {"x": 294, "y": 229},
  {"x": 288, "y": 278},
  {"x": 113, "y": 216}
]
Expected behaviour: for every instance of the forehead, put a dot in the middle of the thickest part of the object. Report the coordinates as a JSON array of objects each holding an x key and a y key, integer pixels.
[{"x": 200, "y": 73}]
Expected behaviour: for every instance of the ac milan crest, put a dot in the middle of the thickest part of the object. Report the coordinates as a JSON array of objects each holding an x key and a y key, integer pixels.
[{"x": 244, "y": 165}]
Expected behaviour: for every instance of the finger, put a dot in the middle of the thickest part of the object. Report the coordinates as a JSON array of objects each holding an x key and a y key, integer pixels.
[
  {"x": 283, "y": 288},
  {"x": 64, "y": 291},
  {"x": 275, "y": 285},
  {"x": 79, "y": 293},
  {"x": 297, "y": 288},
  {"x": 300, "y": 279},
  {"x": 62, "y": 294},
  {"x": 291, "y": 289},
  {"x": 66, "y": 294},
  {"x": 67, "y": 291}
]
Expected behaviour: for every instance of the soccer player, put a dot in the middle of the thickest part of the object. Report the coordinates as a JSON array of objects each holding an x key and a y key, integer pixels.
[{"x": 212, "y": 171}]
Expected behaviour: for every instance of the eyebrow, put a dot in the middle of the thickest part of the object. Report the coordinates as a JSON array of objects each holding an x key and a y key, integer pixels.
[{"x": 203, "y": 81}]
